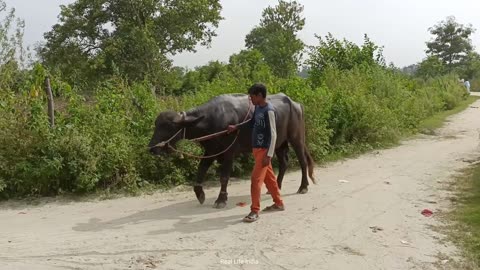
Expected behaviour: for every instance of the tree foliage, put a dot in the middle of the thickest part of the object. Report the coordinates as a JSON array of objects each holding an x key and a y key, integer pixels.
[
  {"x": 13, "y": 54},
  {"x": 276, "y": 37},
  {"x": 244, "y": 67},
  {"x": 128, "y": 37},
  {"x": 451, "y": 43},
  {"x": 471, "y": 67},
  {"x": 249, "y": 65},
  {"x": 430, "y": 67},
  {"x": 450, "y": 51},
  {"x": 342, "y": 55}
]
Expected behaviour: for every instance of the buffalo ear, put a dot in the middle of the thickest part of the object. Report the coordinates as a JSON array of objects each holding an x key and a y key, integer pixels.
[{"x": 188, "y": 121}]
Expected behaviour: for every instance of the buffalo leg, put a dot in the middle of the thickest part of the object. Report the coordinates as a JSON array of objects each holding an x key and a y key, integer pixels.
[
  {"x": 202, "y": 171},
  {"x": 302, "y": 158},
  {"x": 225, "y": 170},
  {"x": 282, "y": 155}
]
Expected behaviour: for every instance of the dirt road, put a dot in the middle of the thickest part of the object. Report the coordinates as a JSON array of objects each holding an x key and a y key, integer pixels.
[{"x": 370, "y": 220}]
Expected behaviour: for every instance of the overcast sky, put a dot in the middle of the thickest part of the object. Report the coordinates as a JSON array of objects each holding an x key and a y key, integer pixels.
[{"x": 400, "y": 26}]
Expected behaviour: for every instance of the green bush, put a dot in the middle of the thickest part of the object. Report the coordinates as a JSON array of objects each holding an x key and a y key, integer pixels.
[{"x": 100, "y": 142}]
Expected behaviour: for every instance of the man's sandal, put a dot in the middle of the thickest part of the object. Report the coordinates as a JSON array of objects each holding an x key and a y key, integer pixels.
[
  {"x": 274, "y": 207},
  {"x": 251, "y": 217}
]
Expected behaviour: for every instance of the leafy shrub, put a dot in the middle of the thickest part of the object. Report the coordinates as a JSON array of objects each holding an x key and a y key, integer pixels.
[{"x": 100, "y": 142}]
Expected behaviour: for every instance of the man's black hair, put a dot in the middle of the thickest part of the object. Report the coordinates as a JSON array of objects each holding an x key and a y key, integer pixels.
[{"x": 258, "y": 88}]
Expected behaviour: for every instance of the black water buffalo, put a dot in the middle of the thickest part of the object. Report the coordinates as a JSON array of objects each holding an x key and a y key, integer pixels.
[{"x": 230, "y": 109}]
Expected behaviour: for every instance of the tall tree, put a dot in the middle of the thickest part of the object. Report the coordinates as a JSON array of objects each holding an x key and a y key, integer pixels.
[
  {"x": 451, "y": 43},
  {"x": 13, "y": 55},
  {"x": 276, "y": 37},
  {"x": 129, "y": 37}
]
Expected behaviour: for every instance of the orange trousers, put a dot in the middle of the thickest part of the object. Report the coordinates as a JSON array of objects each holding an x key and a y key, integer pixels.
[{"x": 261, "y": 174}]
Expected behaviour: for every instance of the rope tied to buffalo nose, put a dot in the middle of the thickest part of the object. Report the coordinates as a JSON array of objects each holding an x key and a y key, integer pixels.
[
  {"x": 162, "y": 144},
  {"x": 204, "y": 138}
]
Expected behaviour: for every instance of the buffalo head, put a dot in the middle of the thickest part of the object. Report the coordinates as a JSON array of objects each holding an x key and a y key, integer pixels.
[{"x": 167, "y": 125}]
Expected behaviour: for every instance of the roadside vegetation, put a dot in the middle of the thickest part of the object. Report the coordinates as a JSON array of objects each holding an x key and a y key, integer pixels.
[{"x": 109, "y": 83}]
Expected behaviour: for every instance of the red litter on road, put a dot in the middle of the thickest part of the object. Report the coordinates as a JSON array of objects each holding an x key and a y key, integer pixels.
[
  {"x": 427, "y": 212},
  {"x": 241, "y": 204}
]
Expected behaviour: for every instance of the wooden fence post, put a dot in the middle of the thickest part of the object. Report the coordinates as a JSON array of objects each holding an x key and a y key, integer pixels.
[{"x": 51, "y": 107}]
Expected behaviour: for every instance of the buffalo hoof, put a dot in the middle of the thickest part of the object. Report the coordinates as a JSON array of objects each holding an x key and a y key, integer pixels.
[
  {"x": 200, "y": 194},
  {"x": 219, "y": 204},
  {"x": 221, "y": 201},
  {"x": 302, "y": 190}
]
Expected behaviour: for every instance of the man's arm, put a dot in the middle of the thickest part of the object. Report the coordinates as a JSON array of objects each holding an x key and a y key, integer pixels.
[
  {"x": 249, "y": 123},
  {"x": 273, "y": 133}
]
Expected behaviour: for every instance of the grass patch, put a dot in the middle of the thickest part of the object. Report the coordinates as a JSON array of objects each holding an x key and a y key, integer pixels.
[
  {"x": 465, "y": 231},
  {"x": 429, "y": 125}
]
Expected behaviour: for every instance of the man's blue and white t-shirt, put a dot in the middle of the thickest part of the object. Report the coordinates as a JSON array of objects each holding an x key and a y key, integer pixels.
[{"x": 264, "y": 134}]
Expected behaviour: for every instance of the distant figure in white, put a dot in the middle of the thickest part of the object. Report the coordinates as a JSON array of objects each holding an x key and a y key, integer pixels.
[{"x": 466, "y": 84}]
